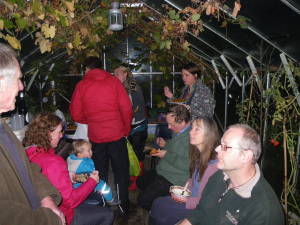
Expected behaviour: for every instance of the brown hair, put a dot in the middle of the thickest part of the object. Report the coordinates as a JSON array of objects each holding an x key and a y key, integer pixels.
[
  {"x": 180, "y": 113},
  {"x": 199, "y": 161},
  {"x": 78, "y": 146},
  {"x": 192, "y": 68},
  {"x": 38, "y": 132}
]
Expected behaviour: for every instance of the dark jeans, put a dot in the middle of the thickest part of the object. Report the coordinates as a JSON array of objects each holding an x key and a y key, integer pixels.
[
  {"x": 115, "y": 152},
  {"x": 152, "y": 186},
  {"x": 138, "y": 141},
  {"x": 86, "y": 214},
  {"x": 166, "y": 211}
]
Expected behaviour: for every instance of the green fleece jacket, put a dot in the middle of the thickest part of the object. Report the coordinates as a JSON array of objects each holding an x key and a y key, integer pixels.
[
  {"x": 220, "y": 207},
  {"x": 175, "y": 165}
]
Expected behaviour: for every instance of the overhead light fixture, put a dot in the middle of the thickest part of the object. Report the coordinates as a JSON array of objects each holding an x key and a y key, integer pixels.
[{"x": 115, "y": 17}]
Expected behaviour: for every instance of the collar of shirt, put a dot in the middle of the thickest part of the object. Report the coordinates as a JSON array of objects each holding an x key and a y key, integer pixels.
[
  {"x": 183, "y": 130},
  {"x": 245, "y": 190}
]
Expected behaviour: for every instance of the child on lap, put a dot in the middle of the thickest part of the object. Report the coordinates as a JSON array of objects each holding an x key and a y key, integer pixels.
[{"x": 80, "y": 163}]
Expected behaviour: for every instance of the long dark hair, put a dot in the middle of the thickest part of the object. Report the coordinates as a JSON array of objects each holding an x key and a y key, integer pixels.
[
  {"x": 199, "y": 161},
  {"x": 192, "y": 68}
]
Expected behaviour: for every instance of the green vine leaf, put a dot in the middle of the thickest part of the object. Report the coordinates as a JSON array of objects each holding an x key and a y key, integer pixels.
[
  {"x": 1, "y": 24},
  {"x": 173, "y": 15},
  {"x": 162, "y": 45},
  {"x": 243, "y": 21},
  {"x": 153, "y": 47},
  {"x": 15, "y": 43},
  {"x": 8, "y": 24},
  {"x": 38, "y": 9},
  {"x": 20, "y": 3},
  {"x": 22, "y": 23},
  {"x": 168, "y": 44},
  {"x": 195, "y": 17},
  {"x": 77, "y": 40},
  {"x": 63, "y": 21}
]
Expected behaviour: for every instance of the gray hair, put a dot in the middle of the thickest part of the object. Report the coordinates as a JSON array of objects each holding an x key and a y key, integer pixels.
[
  {"x": 250, "y": 140},
  {"x": 8, "y": 62}
]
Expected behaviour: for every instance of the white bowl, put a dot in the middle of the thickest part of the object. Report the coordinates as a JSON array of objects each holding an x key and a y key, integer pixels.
[{"x": 179, "y": 194}]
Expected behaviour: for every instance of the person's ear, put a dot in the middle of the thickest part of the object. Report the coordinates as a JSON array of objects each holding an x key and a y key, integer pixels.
[
  {"x": 2, "y": 80},
  {"x": 247, "y": 155},
  {"x": 87, "y": 69}
]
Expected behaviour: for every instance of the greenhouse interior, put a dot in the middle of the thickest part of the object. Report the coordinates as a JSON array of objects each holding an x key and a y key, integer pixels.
[{"x": 245, "y": 60}]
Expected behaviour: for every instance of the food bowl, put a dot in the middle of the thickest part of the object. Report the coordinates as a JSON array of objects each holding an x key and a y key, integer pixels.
[{"x": 179, "y": 194}]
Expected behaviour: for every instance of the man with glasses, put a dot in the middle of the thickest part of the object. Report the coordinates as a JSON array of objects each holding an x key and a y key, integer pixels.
[
  {"x": 238, "y": 193},
  {"x": 173, "y": 166}
]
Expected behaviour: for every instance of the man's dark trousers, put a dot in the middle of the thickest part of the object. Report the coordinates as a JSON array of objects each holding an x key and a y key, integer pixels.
[{"x": 115, "y": 152}]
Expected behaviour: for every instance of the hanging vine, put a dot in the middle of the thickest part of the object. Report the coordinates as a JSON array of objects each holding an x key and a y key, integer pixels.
[
  {"x": 282, "y": 131},
  {"x": 81, "y": 27}
]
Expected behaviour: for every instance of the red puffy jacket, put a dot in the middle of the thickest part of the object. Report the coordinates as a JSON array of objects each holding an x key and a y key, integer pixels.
[
  {"x": 101, "y": 102},
  {"x": 55, "y": 169}
]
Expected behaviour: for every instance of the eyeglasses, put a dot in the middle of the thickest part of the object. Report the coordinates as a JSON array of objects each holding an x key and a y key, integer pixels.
[{"x": 224, "y": 147}]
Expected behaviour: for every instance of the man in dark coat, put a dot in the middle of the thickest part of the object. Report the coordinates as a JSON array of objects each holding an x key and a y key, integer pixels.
[{"x": 24, "y": 191}]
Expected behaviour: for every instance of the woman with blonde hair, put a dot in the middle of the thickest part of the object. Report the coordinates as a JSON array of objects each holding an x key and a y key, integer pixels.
[
  {"x": 204, "y": 138},
  {"x": 138, "y": 134}
]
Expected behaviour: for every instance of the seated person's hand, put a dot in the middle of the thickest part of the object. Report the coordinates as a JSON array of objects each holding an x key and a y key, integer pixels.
[
  {"x": 179, "y": 200},
  {"x": 160, "y": 153},
  {"x": 168, "y": 92},
  {"x": 48, "y": 202},
  {"x": 79, "y": 178},
  {"x": 95, "y": 176},
  {"x": 161, "y": 142},
  {"x": 73, "y": 177}
]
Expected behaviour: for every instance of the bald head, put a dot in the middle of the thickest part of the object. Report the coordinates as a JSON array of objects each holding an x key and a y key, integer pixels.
[{"x": 248, "y": 139}]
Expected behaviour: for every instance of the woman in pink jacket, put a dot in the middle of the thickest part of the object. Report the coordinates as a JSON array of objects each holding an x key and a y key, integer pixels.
[{"x": 41, "y": 138}]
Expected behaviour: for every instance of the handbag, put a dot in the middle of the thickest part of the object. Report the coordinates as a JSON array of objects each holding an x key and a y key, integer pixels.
[{"x": 134, "y": 164}]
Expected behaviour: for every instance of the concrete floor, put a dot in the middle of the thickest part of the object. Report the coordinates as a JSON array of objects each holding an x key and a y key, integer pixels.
[{"x": 136, "y": 215}]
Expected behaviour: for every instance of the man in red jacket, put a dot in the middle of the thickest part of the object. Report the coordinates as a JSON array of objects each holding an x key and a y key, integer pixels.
[{"x": 101, "y": 102}]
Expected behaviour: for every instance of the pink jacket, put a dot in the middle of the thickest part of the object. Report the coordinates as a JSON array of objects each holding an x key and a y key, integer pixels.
[
  {"x": 55, "y": 169},
  {"x": 101, "y": 101}
]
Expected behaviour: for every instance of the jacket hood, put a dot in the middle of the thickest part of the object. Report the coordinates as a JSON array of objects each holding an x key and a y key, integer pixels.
[
  {"x": 34, "y": 151},
  {"x": 97, "y": 74}
]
